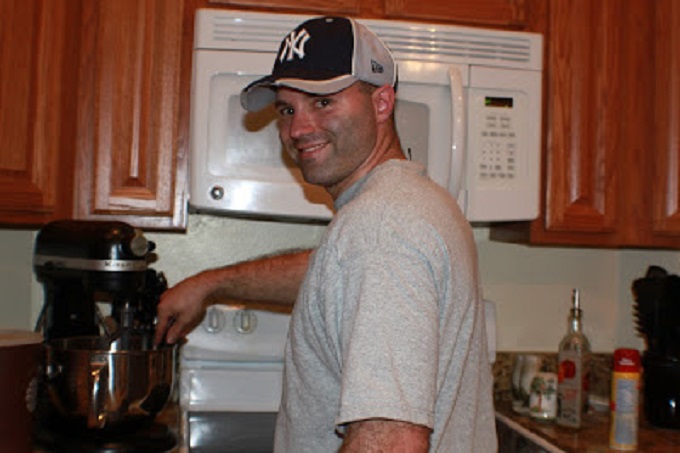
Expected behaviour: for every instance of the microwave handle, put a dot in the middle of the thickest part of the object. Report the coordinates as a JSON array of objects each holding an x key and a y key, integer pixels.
[{"x": 457, "y": 168}]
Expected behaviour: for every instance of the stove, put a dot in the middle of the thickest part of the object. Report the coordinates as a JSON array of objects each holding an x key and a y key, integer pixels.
[{"x": 230, "y": 380}]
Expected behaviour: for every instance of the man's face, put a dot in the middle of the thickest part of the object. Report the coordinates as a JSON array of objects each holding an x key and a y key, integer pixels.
[{"x": 330, "y": 137}]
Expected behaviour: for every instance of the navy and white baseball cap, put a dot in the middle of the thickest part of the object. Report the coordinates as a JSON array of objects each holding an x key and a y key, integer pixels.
[{"x": 324, "y": 55}]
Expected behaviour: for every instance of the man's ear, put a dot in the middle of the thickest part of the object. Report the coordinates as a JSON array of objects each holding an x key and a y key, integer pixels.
[{"x": 384, "y": 99}]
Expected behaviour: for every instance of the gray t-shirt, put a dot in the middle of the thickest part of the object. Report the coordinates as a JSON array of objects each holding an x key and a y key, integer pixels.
[{"x": 389, "y": 321}]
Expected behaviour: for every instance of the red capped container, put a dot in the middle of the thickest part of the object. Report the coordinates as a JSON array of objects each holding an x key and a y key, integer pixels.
[{"x": 625, "y": 399}]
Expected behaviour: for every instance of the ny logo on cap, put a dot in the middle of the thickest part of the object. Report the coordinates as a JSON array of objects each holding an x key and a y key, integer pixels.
[{"x": 294, "y": 44}]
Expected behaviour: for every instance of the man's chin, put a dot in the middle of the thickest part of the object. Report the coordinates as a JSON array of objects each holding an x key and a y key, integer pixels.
[{"x": 315, "y": 179}]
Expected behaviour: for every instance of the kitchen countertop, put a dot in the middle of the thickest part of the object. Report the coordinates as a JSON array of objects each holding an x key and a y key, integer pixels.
[{"x": 593, "y": 437}]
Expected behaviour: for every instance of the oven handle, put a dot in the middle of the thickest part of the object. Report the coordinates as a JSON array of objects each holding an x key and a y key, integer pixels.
[{"x": 457, "y": 133}]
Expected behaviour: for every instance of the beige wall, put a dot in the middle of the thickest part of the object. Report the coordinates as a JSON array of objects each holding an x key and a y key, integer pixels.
[
  {"x": 15, "y": 279},
  {"x": 531, "y": 286},
  {"x": 532, "y": 289}
]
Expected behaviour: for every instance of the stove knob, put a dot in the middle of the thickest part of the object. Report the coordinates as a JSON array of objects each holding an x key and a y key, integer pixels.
[
  {"x": 245, "y": 321},
  {"x": 214, "y": 320}
]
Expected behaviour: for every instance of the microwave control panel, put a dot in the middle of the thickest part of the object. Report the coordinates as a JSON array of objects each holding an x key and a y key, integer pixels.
[{"x": 497, "y": 124}]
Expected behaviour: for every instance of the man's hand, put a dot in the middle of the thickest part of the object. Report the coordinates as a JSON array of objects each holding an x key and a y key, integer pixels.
[
  {"x": 273, "y": 279},
  {"x": 181, "y": 308}
]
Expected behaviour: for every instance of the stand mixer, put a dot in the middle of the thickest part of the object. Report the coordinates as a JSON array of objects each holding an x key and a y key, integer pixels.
[
  {"x": 103, "y": 377},
  {"x": 82, "y": 263}
]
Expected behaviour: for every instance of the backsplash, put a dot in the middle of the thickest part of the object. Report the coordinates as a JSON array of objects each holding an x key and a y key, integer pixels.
[
  {"x": 600, "y": 373},
  {"x": 531, "y": 295}
]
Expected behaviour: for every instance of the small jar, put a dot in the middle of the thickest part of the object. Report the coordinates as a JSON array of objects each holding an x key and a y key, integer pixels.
[
  {"x": 531, "y": 366},
  {"x": 543, "y": 396}
]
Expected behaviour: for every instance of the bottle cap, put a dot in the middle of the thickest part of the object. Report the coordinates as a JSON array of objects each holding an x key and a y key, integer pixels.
[
  {"x": 627, "y": 360},
  {"x": 576, "y": 299}
]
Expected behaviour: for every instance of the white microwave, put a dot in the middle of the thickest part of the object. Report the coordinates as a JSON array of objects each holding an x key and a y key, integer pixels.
[{"x": 468, "y": 108}]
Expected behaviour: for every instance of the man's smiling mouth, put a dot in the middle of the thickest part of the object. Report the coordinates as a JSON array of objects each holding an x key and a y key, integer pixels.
[{"x": 311, "y": 149}]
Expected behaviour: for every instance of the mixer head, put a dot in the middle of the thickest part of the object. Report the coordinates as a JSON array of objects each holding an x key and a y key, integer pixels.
[{"x": 81, "y": 263}]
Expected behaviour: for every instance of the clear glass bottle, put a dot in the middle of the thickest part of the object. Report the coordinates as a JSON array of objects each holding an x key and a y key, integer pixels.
[{"x": 573, "y": 360}]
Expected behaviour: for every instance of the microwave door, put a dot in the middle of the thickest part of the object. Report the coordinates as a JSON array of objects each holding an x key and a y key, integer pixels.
[
  {"x": 238, "y": 164},
  {"x": 430, "y": 117}
]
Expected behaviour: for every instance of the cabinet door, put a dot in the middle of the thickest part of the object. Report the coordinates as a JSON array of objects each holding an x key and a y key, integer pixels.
[
  {"x": 35, "y": 72},
  {"x": 667, "y": 115},
  {"x": 129, "y": 162},
  {"x": 482, "y": 12},
  {"x": 598, "y": 119},
  {"x": 584, "y": 99}
]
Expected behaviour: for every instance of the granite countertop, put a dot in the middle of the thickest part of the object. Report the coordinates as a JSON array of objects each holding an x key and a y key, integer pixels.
[{"x": 593, "y": 437}]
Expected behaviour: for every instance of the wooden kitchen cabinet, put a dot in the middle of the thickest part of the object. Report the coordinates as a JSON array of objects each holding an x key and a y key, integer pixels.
[
  {"x": 131, "y": 151},
  {"x": 351, "y": 7},
  {"x": 90, "y": 100},
  {"x": 506, "y": 13},
  {"x": 610, "y": 176},
  {"x": 494, "y": 13},
  {"x": 36, "y": 110}
]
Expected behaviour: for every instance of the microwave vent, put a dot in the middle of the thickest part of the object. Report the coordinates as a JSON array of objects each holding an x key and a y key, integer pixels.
[{"x": 258, "y": 32}]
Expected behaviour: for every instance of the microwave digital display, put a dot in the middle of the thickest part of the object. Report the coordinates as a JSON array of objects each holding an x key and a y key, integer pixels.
[{"x": 493, "y": 101}]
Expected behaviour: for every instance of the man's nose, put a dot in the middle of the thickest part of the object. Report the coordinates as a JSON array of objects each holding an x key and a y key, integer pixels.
[{"x": 301, "y": 124}]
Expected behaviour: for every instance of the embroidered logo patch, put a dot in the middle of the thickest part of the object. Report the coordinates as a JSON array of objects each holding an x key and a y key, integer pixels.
[
  {"x": 376, "y": 67},
  {"x": 294, "y": 45}
]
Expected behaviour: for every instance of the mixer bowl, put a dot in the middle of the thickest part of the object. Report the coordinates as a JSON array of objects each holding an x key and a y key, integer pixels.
[{"x": 96, "y": 388}]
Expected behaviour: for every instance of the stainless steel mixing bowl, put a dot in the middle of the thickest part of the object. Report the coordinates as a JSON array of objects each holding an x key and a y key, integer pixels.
[{"x": 103, "y": 389}]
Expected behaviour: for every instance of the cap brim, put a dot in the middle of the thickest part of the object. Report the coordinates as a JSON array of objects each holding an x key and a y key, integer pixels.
[{"x": 262, "y": 92}]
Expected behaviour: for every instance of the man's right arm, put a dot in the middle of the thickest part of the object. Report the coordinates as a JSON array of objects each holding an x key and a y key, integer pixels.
[{"x": 274, "y": 280}]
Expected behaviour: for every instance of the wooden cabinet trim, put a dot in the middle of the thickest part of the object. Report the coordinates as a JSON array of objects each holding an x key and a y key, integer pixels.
[
  {"x": 667, "y": 118},
  {"x": 351, "y": 7},
  {"x": 508, "y": 13}
]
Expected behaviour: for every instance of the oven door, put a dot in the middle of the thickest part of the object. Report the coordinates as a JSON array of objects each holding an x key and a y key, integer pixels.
[
  {"x": 234, "y": 432},
  {"x": 231, "y": 372},
  {"x": 229, "y": 406}
]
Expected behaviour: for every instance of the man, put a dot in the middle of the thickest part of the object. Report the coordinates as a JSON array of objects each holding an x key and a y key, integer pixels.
[{"x": 386, "y": 350}]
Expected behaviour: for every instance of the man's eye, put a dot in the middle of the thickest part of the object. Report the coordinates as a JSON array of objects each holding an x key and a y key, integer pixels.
[
  {"x": 323, "y": 102},
  {"x": 285, "y": 111}
]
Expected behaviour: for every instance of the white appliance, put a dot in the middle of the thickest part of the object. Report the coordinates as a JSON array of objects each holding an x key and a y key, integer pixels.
[
  {"x": 230, "y": 378},
  {"x": 469, "y": 109}
]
